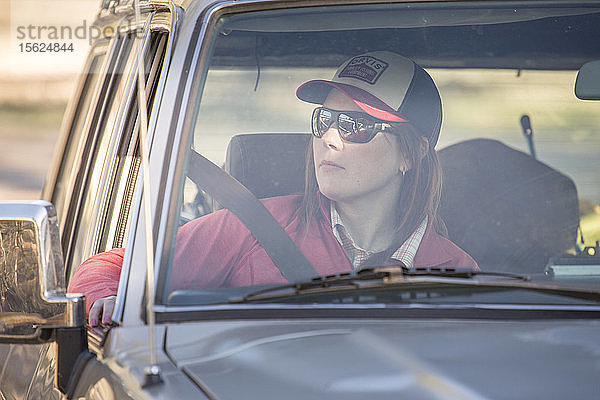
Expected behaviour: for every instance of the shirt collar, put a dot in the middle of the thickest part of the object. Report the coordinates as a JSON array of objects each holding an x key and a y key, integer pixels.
[{"x": 405, "y": 253}]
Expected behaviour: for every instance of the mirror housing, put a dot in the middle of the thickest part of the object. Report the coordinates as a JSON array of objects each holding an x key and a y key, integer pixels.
[
  {"x": 587, "y": 84},
  {"x": 34, "y": 303}
]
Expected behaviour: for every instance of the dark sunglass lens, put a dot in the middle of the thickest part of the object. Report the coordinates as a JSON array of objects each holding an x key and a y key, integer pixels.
[
  {"x": 355, "y": 128},
  {"x": 352, "y": 126},
  {"x": 325, "y": 120},
  {"x": 321, "y": 121},
  {"x": 346, "y": 126},
  {"x": 365, "y": 130}
]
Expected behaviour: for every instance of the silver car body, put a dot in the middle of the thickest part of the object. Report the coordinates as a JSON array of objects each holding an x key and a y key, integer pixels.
[{"x": 280, "y": 351}]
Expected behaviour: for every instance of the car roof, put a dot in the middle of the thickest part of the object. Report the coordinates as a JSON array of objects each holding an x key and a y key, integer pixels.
[{"x": 494, "y": 35}]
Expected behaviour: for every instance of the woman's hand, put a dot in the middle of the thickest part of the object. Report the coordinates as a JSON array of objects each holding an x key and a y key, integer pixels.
[{"x": 102, "y": 310}]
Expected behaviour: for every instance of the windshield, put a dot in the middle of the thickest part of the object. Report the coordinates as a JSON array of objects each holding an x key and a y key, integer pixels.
[{"x": 420, "y": 136}]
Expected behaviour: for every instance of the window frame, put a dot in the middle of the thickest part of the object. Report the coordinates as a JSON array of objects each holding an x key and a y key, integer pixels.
[{"x": 89, "y": 165}]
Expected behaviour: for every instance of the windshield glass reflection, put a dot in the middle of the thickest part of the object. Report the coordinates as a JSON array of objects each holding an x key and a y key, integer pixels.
[{"x": 338, "y": 128}]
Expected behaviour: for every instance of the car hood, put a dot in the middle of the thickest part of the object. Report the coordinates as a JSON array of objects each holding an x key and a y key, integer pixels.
[{"x": 387, "y": 359}]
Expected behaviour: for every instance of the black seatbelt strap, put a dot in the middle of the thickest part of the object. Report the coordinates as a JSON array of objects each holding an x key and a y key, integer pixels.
[{"x": 234, "y": 196}]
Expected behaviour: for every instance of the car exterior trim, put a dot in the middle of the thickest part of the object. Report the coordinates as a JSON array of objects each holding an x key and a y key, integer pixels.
[
  {"x": 153, "y": 121},
  {"x": 418, "y": 311}
]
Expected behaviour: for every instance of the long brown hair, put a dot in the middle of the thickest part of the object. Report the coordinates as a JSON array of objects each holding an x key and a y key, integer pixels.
[{"x": 420, "y": 192}]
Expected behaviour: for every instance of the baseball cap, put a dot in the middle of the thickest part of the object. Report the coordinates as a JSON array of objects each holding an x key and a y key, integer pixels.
[{"x": 387, "y": 86}]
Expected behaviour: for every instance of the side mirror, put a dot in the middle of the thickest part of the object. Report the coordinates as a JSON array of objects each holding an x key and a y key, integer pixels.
[
  {"x": 587, "y": 85},
  {"x": 33, "y": 299}
]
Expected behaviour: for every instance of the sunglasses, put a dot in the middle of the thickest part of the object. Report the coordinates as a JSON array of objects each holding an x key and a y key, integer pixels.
[{"x": 353, "y": 126}]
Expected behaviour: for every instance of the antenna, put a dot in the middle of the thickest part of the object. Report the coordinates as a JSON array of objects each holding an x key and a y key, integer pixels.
[{"x": 152, "y": 372}]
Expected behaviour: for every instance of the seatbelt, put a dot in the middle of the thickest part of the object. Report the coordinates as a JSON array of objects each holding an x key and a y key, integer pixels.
[{"x": 234, "y": 196}]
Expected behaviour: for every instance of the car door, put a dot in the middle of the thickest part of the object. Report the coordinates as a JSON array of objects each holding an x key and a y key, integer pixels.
[{"x": 93, "y": 181}]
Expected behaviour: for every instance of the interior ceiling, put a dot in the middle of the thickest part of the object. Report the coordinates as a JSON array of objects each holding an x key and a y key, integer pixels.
[{"x": 548, "y": 43}]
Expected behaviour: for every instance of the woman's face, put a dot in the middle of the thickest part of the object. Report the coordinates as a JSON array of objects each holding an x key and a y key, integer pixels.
[{"x": 347, "y": 171}]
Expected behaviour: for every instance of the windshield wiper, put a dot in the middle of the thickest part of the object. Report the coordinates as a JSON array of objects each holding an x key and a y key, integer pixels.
[
  {"x": 368, "y": 277},
  {"x": 460, "y": 273}
]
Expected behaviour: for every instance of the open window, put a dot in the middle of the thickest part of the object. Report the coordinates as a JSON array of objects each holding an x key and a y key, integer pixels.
[{"x": 94, "y": 199}]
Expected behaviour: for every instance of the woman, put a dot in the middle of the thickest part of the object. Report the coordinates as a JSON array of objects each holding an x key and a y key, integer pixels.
[{"x": 373, "y": 186}]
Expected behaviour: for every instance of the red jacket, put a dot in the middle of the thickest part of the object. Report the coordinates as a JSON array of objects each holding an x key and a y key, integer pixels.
[{"x": 218, "y": 250}]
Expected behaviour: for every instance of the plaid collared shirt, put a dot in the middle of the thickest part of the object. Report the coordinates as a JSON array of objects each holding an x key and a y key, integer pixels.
[{"x": 405, "y": 253}]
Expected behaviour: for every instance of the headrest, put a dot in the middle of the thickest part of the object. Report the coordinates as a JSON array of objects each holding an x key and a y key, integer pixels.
[
  {"x": 506, "y": 209},
  {"x": 269, "y": 164}
]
